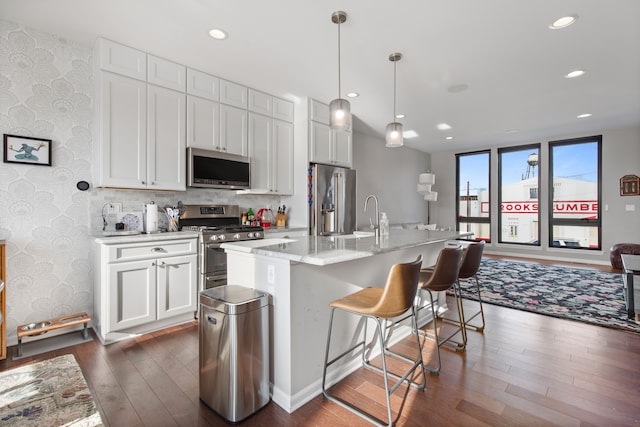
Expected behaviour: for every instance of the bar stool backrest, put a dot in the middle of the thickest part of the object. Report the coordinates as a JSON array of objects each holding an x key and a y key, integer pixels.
[
  {"x": 445, "y": 272},
  {"x": 400, "y": 289},
  {"x": 471, "y": 259}
]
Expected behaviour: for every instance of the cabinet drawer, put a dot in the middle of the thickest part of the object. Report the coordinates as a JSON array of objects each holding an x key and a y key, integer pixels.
[
  {"x": 158, "y": 249},
  {"x": 122, "y": 60},
  {"x": 166, "y": 74}
]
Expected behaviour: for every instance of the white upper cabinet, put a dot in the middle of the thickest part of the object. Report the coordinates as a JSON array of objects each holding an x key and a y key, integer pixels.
[
  {"x": 271, "y": 148},
  {"x": 233, "y": 130},
  {"x": 203, "y": 123},
  {"x": 120, "y": 157},
  {"x": 166, "y": 147},
  {"x": 166, "y": 74},
  {"x": 203, "y": 85},
  {"x": 325, "y": 145},
  {"x": 233, "y": 94},
  {"x": 141, "y": 126},
  {"x": 282, "y": 109},
  {"x": 260, "y": 102},
  {"x": 120, "y": 59},
  {"x": 319, "y": 112}
]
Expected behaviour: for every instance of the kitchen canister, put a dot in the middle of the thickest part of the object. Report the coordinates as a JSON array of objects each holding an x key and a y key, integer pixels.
[{"x": 150, "y": 218}]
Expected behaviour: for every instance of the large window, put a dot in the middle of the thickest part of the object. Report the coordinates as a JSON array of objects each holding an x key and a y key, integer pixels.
[
  {"x": 519, "y": 180},
  {"x": 574, "y": 193},
  {"x": 473, "y": 206}
]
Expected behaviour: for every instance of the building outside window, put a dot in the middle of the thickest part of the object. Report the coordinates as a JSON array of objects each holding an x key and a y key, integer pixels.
[
  {"x": 519, "y": 180},
  {"x": 472, "y": 183},
  {"x": 575, "y": 193}
]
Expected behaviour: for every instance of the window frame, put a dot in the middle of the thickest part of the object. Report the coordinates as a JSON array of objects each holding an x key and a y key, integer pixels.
[
  {"x": 586, "y": 222},
  {"x": 512, "y": 149},
  {"x": 468, "y": 219}
]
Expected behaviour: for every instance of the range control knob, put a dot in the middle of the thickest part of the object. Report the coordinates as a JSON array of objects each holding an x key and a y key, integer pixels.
[
  {"x": 222, "y": 237},
  {"x": 257, "y": 235},
  {"x": 249, "y": 235},
  {"x": 236, "y": 236},
  {"x": 214, "y": 238}
]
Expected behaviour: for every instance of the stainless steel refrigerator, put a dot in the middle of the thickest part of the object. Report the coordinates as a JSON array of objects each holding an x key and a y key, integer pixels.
[{"x": 332, "y": 200}]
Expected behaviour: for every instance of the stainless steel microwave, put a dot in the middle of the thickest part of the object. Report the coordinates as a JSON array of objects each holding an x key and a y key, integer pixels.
[{"x": 213, "y": 169}]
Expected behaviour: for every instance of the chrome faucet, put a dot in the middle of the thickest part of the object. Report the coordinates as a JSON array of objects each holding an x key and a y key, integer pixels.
[{"x": 376, "y": 228}]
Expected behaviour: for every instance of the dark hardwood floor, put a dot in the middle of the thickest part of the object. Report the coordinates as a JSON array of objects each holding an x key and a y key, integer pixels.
[{"x": 525, "y": 369}]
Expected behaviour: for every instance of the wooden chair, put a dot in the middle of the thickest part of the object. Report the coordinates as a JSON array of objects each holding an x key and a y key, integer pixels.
[{"x": 380, "y": 304}]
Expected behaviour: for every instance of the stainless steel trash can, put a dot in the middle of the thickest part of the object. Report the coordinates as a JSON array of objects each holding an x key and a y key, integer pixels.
[{"x": 234, "y": 350}]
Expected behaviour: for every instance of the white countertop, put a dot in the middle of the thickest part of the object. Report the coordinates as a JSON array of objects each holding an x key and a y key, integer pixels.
[
  {"x": 330, "y": 250},
  {"x": 115, "y": 238}
]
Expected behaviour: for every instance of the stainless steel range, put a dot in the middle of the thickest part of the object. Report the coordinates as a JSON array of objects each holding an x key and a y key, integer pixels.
[{"x": 215, "y": 225}]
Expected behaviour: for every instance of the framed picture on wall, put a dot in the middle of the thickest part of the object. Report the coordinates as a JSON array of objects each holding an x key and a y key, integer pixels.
[
  {"x": 630, "y": 185},
  {"x": 27, "y": 150}
]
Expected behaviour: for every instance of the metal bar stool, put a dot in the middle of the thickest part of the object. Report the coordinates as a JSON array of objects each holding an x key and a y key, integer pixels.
[
  {"x": 442, "y": 277},
  {"x": 471, "y": 258},
  {"x": 380, "y": 304}
]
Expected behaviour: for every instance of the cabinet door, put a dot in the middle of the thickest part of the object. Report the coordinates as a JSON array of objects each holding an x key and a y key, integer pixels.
[
  {"x": 203, "y": 85},
  {"x": 319, "y": 112},
  {"x": 283, "y": 157},
  {"x": 260, "y": 102},
  {"x": 320, "y": 143},
  {"x": 342, "y": 148},
  {"x": 132, "y": 294},
  {"x": 166, "y": 73},
  {"x": 283, "y": 110},
  {"x": 260, "y": 148},
  {"x": 166, "y": 139},
  {"x": 203, "y": 123},
  {"x": 120, "y": 59},
  {"x": 233, "y": 94},
  {"x": 123, "y": 132},
  {"x": 177, "y": 285},
  {"x": 233, "y": 130}
]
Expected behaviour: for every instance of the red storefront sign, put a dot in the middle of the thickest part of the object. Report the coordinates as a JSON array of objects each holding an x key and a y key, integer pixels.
[{"x": 570, "y": 207}]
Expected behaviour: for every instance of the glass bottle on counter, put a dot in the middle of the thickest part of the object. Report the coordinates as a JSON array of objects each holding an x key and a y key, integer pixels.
[
  {"x": 244, "y": 218},
  {"x": 384, "y": 224},
  {"x": 250, "y": 217}
]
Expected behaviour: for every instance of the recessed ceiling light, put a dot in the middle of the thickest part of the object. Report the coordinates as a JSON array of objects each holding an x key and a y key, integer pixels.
[
  {"x": 443, "y": 126},
  {"x": 218, "y": 34},
  {"x": 353, "y": 95},
  {"x": 584, "y": 115},
  {"x": 449, "y": 138},
  {"x": 400, "y": 116},
  {"x": 574, "y": 74},
  {"x": 409, "y": 134},
  {"x": 563, "y": 22},
  {"x": 512, "y": 131}
]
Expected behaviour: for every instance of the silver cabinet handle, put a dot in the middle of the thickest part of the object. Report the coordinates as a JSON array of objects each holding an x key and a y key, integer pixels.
[{"x": 156, "y": 249}]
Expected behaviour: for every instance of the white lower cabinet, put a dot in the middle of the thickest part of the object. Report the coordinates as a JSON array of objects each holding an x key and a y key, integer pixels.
[{"x": 141, "y": 287}]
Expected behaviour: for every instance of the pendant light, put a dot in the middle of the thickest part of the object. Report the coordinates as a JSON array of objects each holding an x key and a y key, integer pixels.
[
  {"x": 394, "y": 129},
  {"x": 339, "y": 109}
]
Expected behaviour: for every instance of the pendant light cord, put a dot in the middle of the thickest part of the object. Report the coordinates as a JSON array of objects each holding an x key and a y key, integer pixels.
[
  {"x": 394, "y": 90},
  {"x": 339, "y": 88}
]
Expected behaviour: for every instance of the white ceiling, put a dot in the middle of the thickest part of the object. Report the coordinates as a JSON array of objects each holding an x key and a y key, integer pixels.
[{"x": 503, "y": 50}]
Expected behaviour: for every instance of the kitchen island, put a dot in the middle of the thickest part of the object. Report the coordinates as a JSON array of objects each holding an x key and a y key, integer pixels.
[{"x": 303, "y": 275}]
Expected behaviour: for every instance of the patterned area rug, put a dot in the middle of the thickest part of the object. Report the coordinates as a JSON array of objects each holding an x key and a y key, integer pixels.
[
  {"x": 48, "y": 393},
  {"x": 575, "y": 293}
]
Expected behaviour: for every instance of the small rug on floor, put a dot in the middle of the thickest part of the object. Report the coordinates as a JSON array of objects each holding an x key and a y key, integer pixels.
[
  {"x": 575, "y": 293},
  {"x": 48, "y": 393}
]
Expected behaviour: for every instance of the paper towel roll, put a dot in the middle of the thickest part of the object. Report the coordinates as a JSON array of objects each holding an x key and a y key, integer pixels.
[{"x": 150, "y": 218}]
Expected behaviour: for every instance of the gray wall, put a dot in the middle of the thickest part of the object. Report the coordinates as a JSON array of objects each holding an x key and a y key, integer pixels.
[
  {"x": 391, "y": 174},
  {"x": 620, "y": 156}
]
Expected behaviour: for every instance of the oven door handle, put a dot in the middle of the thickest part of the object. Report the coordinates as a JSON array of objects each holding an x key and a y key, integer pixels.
[{"x": 212, "y": 245}]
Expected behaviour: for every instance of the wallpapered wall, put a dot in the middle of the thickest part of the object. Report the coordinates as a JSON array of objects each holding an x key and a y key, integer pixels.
[
  {"x": 45, "y": 92},
  {"x": 46, "y": 89}
]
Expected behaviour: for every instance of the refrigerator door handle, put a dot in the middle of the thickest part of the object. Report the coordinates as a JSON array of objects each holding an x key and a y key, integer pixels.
[{"x": 336, "y": 201}]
